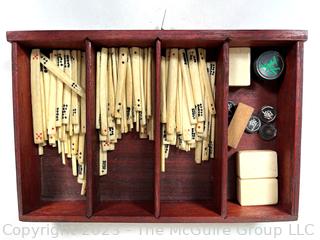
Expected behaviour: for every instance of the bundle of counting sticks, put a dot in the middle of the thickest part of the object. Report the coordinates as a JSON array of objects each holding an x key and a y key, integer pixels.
[
  {"x": 59, "y": 106},
  {"x": 124, "y": 96},
  {"x": 187, "y": 103}
]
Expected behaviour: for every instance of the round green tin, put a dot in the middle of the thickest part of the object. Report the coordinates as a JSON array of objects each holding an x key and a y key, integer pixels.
[{"x": 269, "y": 65}]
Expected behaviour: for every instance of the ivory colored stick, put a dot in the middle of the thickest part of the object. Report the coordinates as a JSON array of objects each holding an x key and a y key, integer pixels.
[
  {"x": 129, "y": 86},
  {"x": 211, "y": 68},
  {"x": 205, "y": 150},
  {"x": 122, "y": 71},
  {"x": 163, "y": 148},
  {"x": 74, "y": 165},
  {"x": 43, "y": 105},
  {"x": 112, "y": 132},
  {"x": 144, "y": 72},
  {"x": 46, "y": 82},
  {"x": 186, "y": 126},
  {"x": 143, "y": 120},
  {"x": 80, "y": 173},
  {"x": 98, "y": 117},
  {"x": 183, "y": 61},
  {"x": 111, "y": 92},
  {"x": 124, "y": 126},
  {"x": 66, "y": 91},
  {"x": 103, "y": 92},
  {"x": 138, "y": 121},
  {"x": 163, "y": 91},
  {"x": 172, "y": 91},
  {"x": 83, "y": 99},
  {"x": 212, "y": 132},
  {"x": 163, "y": 157},
  {"x": 74, "y": 144},
  {"x": 135, "y": 60},
  {"x": 81, "y": 145},
  {"x": 59, "y": 97},
  {"x": 61, "y": 76},
  {"x": 195, "y": 81},
  {"x": 114, "y": 67},
  {"x": 40, "y": 150},
  {"x": 74, "y": 96},
  {"x": 63, "y": 156},
  {"x": 36, "y": 97},
  {"x": 83, "y": 187},
  {"x": 238, "y": 124},
  {"x": 52, "y": 101},
  {"x": 198, "y": 152},
  {"x": 167, "y": 64},
  {"x": 148, "y": 81},
  {"x": 205, "y": 79},
  {"x": 74, "y": 151},
  {"x": 102, "y": 162},
  {"x": 79, "y": 66},
  {"x": 178, "y": 102}
]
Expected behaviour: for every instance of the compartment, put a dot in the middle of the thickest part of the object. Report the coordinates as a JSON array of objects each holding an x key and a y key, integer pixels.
[
  {"x": 197, "y": 191},
  {"x": 128, "y": 188},
  {"x": 285, "y": 95},
  {"x": 40, "y": 178}
]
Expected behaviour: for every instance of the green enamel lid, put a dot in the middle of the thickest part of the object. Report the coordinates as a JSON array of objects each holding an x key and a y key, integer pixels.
[{"x": 269, "y": 65}]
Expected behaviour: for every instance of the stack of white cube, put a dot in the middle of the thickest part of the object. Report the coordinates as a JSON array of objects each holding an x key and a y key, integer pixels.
[{"x": 257, "y": 172}]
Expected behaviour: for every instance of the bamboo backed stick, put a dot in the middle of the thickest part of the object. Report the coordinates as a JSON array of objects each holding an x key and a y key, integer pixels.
[
  {"x": 172, "y": 91},
  {"x": 36, "y": 97},
  {"x": 83, "y": 126},
  {"x": 111, "y": 91},
  {"x": 178, "y": 103},
  {"x": 195, "y": 81},
  {"x": 103, "y": 92},
  {"x": 129, "y": 89},
  {"x": 143, "y": 120},
  {"x": 114, "y": 67},
  {"x": 186, "y": 126},
  {"x": 74, "y": 152},
  {"x": 102, "y": 162},
  {"x": 163, "y": 149},
  {"x": 59, "y": 98},
  {"x": 83, "y": 187},
  {"x": 61, "y": 76},
  {"x": 183, "y": 61},
  {"x": 74, "y": 97},
  {"x": 98, "y": 118},
  {"x": 43, "y": 105},
  {"x": 52, "y": 117},
  {"x": 206, "y": 81},
  {"x": 163, "y": 91},
  {"x": 212, "y": 132},
  {"x": 80, "y": 173},
  {"x": 148, "y": 81},
  {"x": 66, "y": 91},
  {"x": 46, "y": 82},
  {"x": 211, "y": 68},
  {"x": 144, "y": 73},
  {"x": 135, "y": 60},
  {"x": 81, "y": 146},
  {"x": 122, "y": 71},
  {"x": 198, "y": 152}
]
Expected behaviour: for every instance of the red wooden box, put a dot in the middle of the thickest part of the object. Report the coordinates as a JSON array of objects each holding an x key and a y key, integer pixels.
[{"x": 134, "y": 189}]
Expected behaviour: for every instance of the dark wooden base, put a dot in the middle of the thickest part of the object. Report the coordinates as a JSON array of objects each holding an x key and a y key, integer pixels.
[{"x": 134, "y": 189}]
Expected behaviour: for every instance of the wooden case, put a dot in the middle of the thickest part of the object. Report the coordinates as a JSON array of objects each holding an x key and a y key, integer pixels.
[{"x": 134, "y": 189}]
